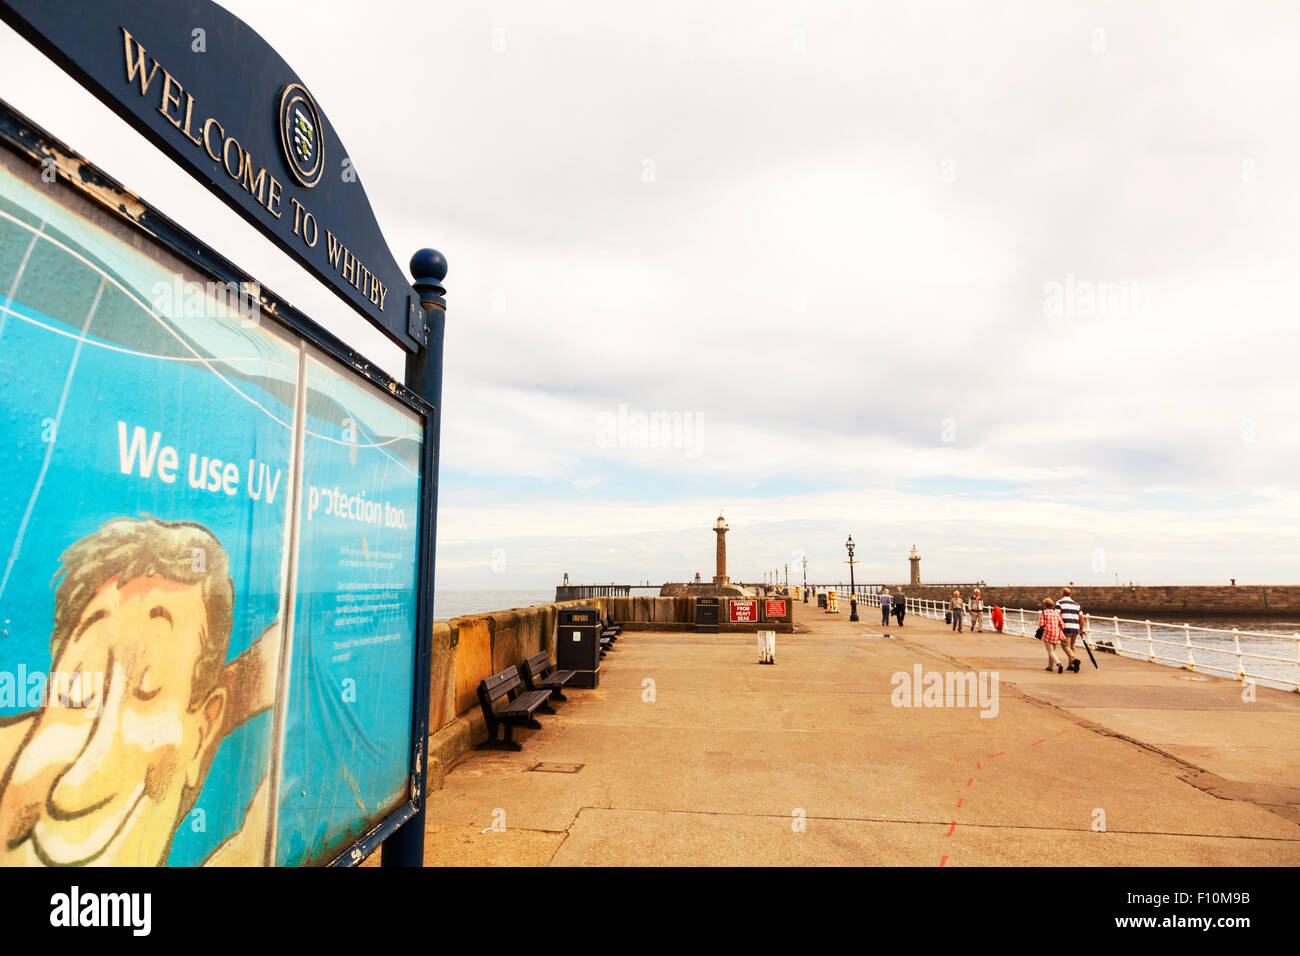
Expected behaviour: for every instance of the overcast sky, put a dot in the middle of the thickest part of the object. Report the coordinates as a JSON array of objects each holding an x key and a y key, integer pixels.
[{"x": 851, "y": 255}]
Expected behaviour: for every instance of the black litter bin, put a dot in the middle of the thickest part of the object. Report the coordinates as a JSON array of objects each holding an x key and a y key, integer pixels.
[
  {"x": 706, "y": 615},
  {"x": 577, "y": 644},
  {"x": 821, "y": 600}
]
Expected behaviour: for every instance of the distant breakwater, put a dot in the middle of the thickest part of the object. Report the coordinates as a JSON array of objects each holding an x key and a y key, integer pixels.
[{"x": 1269, "y": 602}]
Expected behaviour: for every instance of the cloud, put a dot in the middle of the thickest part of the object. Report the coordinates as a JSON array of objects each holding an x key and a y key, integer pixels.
[{"x": 831, "y": 235}]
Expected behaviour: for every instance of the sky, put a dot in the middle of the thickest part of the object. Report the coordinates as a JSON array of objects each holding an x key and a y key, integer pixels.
[{"x": 1015, "y": 283}]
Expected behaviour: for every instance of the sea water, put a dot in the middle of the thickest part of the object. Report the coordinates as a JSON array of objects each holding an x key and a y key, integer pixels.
[{"x": 456, "y": 603}]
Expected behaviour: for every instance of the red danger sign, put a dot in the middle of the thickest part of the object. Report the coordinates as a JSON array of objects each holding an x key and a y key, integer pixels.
[
  {"x": 744, "y": 612},
  {"x": 774, "y": 608}
]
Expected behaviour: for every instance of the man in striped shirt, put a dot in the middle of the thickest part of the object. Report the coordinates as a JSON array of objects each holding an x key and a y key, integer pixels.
[{"x": 1072, "y": 618}]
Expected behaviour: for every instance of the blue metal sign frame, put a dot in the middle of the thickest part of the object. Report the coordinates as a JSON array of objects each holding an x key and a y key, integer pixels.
[{"x": 91, "y": 40}]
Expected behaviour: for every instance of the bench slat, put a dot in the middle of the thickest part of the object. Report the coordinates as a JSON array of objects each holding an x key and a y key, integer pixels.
[
  {"x": 501, "y": 684},
  {"x": 525, "y": 703},
  {"x": 558, "y": 679}
]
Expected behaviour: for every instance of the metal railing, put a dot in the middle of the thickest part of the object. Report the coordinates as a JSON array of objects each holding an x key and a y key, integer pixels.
[
  {"x": 1268, "y": 658},
  {"x": 583, "y": 592}
]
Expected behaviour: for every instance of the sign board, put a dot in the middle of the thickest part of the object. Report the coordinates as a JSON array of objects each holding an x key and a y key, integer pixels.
[
  {"x": 774, "y": 608},
  {"x": 743, "y": 611},
  {"x": 211, "y": 571},
  {"x": 208, "y": 91}
]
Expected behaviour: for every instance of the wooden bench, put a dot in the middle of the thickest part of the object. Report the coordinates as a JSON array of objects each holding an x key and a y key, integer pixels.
[
  {"x": 540, "y": 674},
  {"x": 505, "y": 703}
]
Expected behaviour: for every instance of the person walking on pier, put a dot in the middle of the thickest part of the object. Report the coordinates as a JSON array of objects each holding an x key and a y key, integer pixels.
[
  {"x": 957, "y": 609},
  {"x": 1072, "y": 621},
  {"x": 976, "y": 608},
  {"x": 884, "y": 606},
  {"x": 900, "y": 607},
  {"x": 1053, "y": 636}
]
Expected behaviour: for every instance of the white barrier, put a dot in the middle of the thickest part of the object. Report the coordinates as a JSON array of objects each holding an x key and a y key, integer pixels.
[{"x": 1271, "y": 659}]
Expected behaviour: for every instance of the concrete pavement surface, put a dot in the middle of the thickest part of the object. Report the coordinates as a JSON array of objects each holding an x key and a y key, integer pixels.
[{"x": 693, "y": 753}]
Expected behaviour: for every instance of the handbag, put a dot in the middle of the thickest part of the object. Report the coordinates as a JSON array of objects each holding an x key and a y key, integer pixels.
[{"x": 1038, "y": 634}]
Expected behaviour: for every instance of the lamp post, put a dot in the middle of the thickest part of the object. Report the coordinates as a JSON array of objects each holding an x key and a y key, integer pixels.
[
  {"x": 853, "y": 594},
  {"x": 787, "y": 577},
  {"x": 805, "y": 580}
]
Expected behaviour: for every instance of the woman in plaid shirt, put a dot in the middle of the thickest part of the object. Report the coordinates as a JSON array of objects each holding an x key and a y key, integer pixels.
[{"x": 1049, "y": 619}]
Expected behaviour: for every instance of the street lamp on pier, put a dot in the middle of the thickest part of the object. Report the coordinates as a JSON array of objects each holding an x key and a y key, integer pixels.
[
  {"x": 805, "y": 580},
  {"x": 853, "y": 593}
]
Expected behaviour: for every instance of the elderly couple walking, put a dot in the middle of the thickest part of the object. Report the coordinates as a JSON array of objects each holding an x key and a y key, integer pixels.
[
  {"x": 957, "y": 609},
  {"x": 896, "y": 606},
  {"x": 1060, "y": 624}
]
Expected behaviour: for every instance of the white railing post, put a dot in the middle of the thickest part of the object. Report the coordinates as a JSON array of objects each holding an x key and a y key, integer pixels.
[
  {"x": 1187, "y": 638},
  {"x": 1117, "y": 646},
  {"x": 1150, "y": 653},
  {"x": 1023, "y": 632},
  {"x": 1236, "y": 644}
]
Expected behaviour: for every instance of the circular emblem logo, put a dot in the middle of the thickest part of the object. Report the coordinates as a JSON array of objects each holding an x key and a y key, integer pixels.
[{"x": 302, "y": 136}]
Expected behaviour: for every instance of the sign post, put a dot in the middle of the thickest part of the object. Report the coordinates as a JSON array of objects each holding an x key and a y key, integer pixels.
[{"x": 424, "y": 377}]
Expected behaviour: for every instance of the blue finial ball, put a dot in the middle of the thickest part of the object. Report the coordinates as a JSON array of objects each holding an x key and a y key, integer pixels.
[{"x": 428, "y": 264}]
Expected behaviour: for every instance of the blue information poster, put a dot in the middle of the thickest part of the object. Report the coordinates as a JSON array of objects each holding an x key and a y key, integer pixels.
[
  {"x": 350, "y": 695},
  {"x": 208, "y": 562}
]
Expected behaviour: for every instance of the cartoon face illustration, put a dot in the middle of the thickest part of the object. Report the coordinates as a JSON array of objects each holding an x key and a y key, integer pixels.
[{"x": 147, "y": 604}]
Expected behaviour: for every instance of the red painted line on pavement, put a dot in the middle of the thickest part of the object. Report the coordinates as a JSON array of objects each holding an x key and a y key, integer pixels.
[{"x": 978, "y": 766}]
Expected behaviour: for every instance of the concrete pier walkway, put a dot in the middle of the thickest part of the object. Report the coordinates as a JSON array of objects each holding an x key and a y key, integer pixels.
[{"x": 692, "y": 753}]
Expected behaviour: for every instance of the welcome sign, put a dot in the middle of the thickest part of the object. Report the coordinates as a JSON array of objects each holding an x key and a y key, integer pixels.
[{"x": 216, "y": 98}]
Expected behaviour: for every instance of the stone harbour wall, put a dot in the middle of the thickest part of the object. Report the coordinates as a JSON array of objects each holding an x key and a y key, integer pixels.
[{"x": 1265, "y": 601}]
